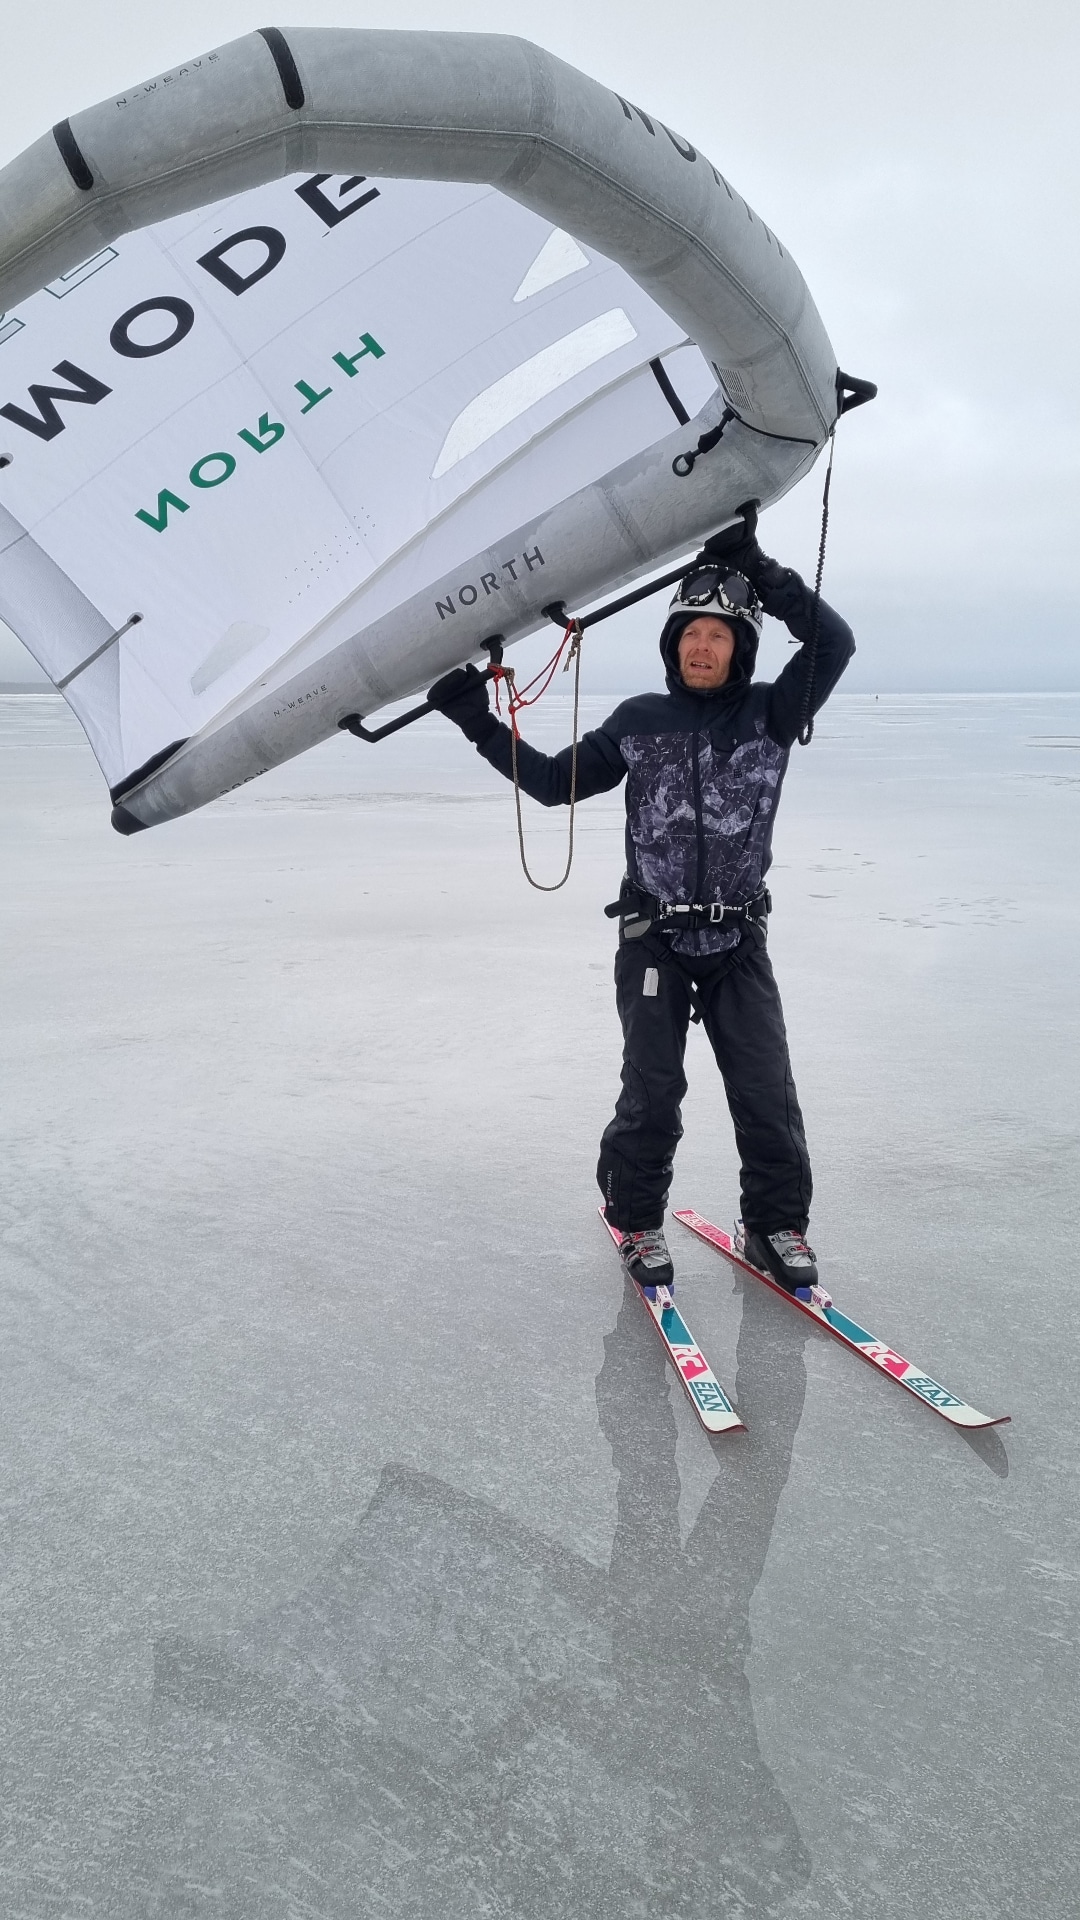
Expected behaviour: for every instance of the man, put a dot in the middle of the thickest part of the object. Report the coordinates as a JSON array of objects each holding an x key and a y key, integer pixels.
[{"x": 704, "y": 764}]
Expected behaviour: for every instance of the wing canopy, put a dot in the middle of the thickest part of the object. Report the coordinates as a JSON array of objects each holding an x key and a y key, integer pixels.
[
  {"x": 331, "y": 353},
  {"x": 263, "y": 405}
]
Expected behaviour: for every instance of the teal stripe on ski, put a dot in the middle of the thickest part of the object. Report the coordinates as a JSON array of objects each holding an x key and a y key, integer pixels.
[
  {"x": 674, "y": 1327},
  {"x": 850, "y": 1329}
]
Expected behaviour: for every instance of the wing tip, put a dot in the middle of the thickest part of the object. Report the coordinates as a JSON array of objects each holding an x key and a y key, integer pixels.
[{"x": 126, "y": 822}]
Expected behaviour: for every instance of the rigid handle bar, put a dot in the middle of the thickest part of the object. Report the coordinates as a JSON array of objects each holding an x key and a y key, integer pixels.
[{"x": 354, "y": 722}]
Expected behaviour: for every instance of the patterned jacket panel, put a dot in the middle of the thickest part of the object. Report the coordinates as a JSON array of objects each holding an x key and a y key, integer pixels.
[
  {"x": 703, "y": 770},
  {"x": 727, "y": 859},
  {"x": 661, "y": 819}
]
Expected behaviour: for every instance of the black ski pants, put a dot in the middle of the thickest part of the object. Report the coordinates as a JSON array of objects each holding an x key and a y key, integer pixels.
[{"x": 742, "y": 1015}]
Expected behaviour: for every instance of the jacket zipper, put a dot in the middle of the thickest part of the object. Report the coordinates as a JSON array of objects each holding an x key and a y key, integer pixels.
[{"x": 699, "y": 822}]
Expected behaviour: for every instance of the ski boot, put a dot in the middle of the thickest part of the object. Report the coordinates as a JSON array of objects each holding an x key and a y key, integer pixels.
[
  {"x": 647, "y": 1260},
  {"x": 787, "y": 1259}
]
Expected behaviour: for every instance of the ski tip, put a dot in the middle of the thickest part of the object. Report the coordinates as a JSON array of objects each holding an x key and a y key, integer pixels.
[
  {"x": 820, "y": 1306},
  {"x": 714, "y": 1410},
  {"x": 717, "y": 1422}
]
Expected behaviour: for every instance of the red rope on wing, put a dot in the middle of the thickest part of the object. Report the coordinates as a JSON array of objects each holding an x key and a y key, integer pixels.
[{"x": 520, "y": 697}]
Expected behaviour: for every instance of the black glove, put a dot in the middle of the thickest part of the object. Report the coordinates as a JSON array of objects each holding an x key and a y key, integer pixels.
[
  {"x": 463, "y": 696},
  {"x": 783, "y": 592},
  {"x": 736, "y": 548},
  {"x": 769, "y": 577},
  {"x": 779, "y": 588}
]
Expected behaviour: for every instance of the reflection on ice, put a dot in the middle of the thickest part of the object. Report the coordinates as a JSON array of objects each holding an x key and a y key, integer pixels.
[{"x": 456, "y": 1716}]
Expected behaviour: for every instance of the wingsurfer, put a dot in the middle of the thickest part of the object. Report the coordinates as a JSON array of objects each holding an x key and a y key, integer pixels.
[{"x": 704, "y": 765}]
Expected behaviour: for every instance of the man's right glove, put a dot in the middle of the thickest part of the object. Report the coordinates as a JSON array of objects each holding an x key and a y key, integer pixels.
[{"x": 462, "y": 695}]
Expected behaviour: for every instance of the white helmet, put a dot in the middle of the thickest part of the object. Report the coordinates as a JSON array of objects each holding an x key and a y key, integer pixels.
[{"x": 712, "y": 589}]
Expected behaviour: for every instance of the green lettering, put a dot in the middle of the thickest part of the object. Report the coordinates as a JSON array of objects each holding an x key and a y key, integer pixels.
[
  {"x": 347, "y": 362},
  {"x": 310, "y": 395},
  {"x": 165, "y": 500},
  {"x": 268, "y": 434},
  {"x": 197, "y": 476}
]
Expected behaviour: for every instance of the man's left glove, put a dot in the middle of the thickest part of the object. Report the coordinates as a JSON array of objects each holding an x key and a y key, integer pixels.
[
  {"x": 736, "y": 548},
  {"x": 463, "y": 696}
]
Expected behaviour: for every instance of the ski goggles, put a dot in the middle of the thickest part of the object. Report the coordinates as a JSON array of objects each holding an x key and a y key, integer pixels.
[{"x": 708, "y": 586}]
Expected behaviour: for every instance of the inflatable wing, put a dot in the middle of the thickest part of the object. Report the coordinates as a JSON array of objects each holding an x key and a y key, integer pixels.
[{"x": 325, "y": 357}]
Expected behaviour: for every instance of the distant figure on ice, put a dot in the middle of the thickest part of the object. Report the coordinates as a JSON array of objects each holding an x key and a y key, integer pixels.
[{"x": 703, "y": 765}]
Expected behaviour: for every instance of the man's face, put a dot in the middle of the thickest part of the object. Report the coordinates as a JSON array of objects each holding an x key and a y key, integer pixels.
[{"x": 706, "y": 650}]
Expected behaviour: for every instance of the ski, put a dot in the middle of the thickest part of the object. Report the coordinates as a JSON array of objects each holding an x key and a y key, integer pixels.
[
  {"x": 706, "y": 1395},
  {"x": 819, "y": 1307}
]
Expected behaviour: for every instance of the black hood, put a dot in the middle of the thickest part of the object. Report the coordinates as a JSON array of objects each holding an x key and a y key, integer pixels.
[{"x": 743, "y": 661}]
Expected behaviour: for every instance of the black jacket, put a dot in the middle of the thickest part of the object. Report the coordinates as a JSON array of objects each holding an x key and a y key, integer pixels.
[{"x": 703, "y": 770}]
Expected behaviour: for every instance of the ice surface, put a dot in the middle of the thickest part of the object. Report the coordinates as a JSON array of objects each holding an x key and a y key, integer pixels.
[{"x": 362, "y": 1557}]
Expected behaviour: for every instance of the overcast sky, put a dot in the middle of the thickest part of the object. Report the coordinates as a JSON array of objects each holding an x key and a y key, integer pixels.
[{"x": 920, "y": 163}]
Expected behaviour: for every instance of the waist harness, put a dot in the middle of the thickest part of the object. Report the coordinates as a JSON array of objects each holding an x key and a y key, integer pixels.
[{"x": 639, "y": 912}]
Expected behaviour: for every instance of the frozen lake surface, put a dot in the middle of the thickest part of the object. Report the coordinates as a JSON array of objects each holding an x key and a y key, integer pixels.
[{"x": 363, "y": 1561}]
